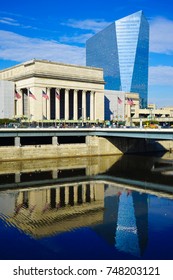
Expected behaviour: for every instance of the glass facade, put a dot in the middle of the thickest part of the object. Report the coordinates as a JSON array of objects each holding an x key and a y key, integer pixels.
[{"x": 122, "y": 50}]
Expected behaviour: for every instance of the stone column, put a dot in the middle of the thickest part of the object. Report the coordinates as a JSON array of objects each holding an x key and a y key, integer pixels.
[
  {"x": 66, "y": 195},
  {"x": 92, "y": 192},
  {"x": 75, "y": 104},
  {"x": 44, "y": 109},
  {"x": 57, "y": 103},
  {"x": 17, "y": 141},
  {"x": 75, "y": 194},
  {"x": 48, "y": 196},
  {"x": 54, "y": 174},
  {"x": 28, "y": 103},
  {"x": 44, "y": 105},
  {"x": 17, "y": 178},
  {"x": 32, "y": 201},
  {"x": 48, "y": 104},
  {"x": 32, "y": 103},
  {"x": 84, "y": 105},
  {"x": 66, "y": 104},
  {"x": 84, "y": 192},
  {"x": 58, "y": 197},
  {"x": 54, "y": 140},
  {"x": 92, "y": 105},
  {"x": 19, "y": 199}
]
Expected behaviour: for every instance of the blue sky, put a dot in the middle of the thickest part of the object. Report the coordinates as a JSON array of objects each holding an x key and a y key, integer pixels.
[{"x": 57, "y": 30}]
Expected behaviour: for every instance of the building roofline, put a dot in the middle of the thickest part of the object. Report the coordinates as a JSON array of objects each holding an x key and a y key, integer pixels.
[
  {"x": 33, "y": 61},
  {"x": 114, "y": 22}
]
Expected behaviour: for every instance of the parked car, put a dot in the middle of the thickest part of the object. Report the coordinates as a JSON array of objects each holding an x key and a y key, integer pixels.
[{"x": 13, "y": 125}]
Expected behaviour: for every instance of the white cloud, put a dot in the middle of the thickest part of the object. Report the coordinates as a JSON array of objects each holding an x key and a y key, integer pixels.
[
  {"x": 76, "y": 38},
  {"x": 88, "y": 24},
  {"x": 161, "y": 39},
  {"x": 91, "y": 25},
  {"x": 161, "y": 75},
  {"x": 14, "y": 22},
  {"x": 21, "y": 48},
  {"x": 9, "y": 21}
]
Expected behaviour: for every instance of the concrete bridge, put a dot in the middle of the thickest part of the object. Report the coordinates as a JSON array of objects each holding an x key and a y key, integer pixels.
[
  {"x": 164, "y": 134},
  {"x": 37, "y": 143}
]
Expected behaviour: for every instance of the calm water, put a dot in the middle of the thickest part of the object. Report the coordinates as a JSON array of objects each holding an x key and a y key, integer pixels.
[{"x": 94, "y": 208}]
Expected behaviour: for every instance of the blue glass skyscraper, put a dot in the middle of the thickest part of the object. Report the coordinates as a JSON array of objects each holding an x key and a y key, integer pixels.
[{"x": 122, "y": 49}]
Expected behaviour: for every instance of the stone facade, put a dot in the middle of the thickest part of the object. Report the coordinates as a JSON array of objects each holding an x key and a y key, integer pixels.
[
  {"x": 7, "y": 99},
  {"x": 49, "y": 90}
]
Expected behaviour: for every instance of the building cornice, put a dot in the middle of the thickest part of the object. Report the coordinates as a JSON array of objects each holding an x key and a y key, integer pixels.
[
  {"x": 56, "y": 77},
  {"x": 52, "y": 70},
  {"x": 44, "y": 61}
]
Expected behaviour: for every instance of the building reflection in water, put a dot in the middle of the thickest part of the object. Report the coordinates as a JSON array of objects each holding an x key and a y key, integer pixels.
[
  {"x": 132, "y": 224},
  {"x": 125, "y": 220},
  {"x": 118, "y": 215},
  {"x": 51, "y": 210}
]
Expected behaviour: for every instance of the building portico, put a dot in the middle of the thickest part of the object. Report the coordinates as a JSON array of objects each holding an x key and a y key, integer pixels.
[
  {"x": 51, "y": 91},
  {"x": 58, "y": 103}
]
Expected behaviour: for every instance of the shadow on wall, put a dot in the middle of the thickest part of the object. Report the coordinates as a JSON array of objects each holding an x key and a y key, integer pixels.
[
  {"x": 108, "y": 112},
  {"x": 135, "y": 145}
]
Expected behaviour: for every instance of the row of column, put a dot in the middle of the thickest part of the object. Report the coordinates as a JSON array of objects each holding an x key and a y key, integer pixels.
[
  {"x": 57, "y": 100},
  {"x": 67, "y": 104},
  {"x": 60, "y": 197}
]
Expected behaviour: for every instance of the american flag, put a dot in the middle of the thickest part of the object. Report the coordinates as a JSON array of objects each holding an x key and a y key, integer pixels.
[
  {"x": 32, "y": 95},
  {"x": 17, "y": 95},
  {"x": 130, "y": 101},
  {"x": 44, "y": 94},
  {"x": 57, "y": 95},
  {"x": 119, "y": 100}
]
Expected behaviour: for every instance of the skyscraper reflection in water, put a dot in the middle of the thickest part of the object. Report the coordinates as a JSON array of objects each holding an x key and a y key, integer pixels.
[
  {"x": 125, "y": 222},
  {"x": 131, "y": 233}
]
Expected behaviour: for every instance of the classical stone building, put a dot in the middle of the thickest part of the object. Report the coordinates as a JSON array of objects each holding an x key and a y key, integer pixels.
[{"x": 46, "y": 90}]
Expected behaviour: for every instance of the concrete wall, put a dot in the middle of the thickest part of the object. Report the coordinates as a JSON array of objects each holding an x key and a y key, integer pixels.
[
  {"x": 114, "y": 110},
  {"x": 131, "y": 146},
  {"x": 94, "y": 146}
]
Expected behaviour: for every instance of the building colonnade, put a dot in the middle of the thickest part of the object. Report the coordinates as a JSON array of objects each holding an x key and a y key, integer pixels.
[
  {"x": 53, "y": 103},
  {"x": 62, "y": 196}
]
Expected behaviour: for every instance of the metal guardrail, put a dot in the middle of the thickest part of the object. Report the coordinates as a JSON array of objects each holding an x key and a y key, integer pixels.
[{"x": 164, "y": 134}]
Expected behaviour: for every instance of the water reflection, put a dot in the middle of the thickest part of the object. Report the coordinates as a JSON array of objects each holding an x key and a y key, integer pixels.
[
  {"x": 112, "y": 212},
  {"x": 38, "y": 172},
  {"x": 90, "y": 211},
  {"x": 51, "y": 210}
]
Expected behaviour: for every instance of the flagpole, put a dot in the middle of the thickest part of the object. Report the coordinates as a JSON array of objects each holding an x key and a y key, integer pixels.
[
  {"x": 42, "y": 106},
  {"x": 46, "y": 104},
  {"x": 117, "y": 110},
  {"x": 55, "y": 106},
  {"x": 28, "y": 107},
  {"x": 130, "y": 115}
]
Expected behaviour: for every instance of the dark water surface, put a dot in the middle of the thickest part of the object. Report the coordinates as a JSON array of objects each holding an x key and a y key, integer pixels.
[{"x": 87, "y": 208}]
